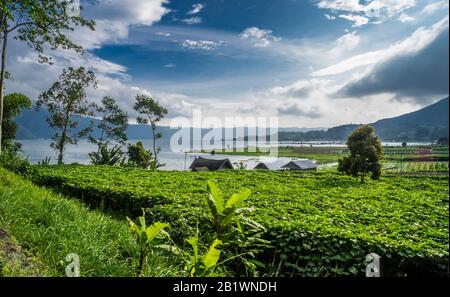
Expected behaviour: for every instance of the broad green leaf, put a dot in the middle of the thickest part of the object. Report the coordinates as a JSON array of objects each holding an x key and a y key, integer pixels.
[
  {"x": 236, "y": 199},
  {"x": 216, "y": 196},
  {"x": 212, "y": 256},
  {"x": 193, "y": 241},
  {"x": 154, "y": 230}
]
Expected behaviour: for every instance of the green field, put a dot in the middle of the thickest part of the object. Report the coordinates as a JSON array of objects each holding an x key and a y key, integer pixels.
[
  {"x": 319, "y": 224},
  {"x": 323, "y": 155},
  {"x": 49, "y": 226},
  {"x": 411, "y": 167}
]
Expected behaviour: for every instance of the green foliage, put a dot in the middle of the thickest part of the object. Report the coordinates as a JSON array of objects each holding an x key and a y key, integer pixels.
[
  {"x": 106, "y": 156},
  {"x": 42, "y": 22},
  {"x": 365, "y": 154},
  {"x": 11, "y": 160},
  {"x": 138, "y": 156},
  {"x": 152, "y": 112},
  {"x": 145, "y": 237},
  {"x": 50, "y": 226},
  {"x": 13, "y": 104},
  {"x": 321, "y": 224},
  {"x": 45, "y": 162},
  {"x": 114, "y": 123},
  {"x": 64, "y": 100},
  {"x": 223, "y": 214}
]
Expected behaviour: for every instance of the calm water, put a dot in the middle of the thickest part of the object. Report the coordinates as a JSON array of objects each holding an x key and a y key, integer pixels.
[{"x": 37, "y": 150}]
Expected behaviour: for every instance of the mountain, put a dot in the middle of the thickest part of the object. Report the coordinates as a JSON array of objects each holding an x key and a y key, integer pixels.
[
  {"x": 427, "y": 124},
  {"x": 32, "y": 125}
]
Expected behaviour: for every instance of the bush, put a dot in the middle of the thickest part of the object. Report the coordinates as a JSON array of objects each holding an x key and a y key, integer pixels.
[{"x": 9, "y": 159}]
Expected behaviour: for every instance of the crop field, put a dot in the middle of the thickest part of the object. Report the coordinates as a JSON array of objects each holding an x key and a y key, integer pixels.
[
  {"x": 398, "y": 167},
  {"x": 322, "y": 155},
  {"x": 321, "y": 224}
]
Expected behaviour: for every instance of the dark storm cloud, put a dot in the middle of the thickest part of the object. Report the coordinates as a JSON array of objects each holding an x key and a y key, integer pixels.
[
  {"x": 295, "y": 110},
  {"x": 419, "y": 76}
]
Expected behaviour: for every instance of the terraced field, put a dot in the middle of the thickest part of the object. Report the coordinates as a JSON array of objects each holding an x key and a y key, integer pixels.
[{"x": 319, "y": 224}]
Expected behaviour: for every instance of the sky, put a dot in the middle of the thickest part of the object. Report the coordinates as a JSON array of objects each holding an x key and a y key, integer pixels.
[{"x": 313, "y": 63}]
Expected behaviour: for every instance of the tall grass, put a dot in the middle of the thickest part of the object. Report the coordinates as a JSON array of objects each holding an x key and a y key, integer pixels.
[{"x": 50, "y": 226}]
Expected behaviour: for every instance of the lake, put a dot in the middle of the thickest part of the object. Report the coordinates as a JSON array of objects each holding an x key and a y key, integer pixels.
[{"x": 39, "y": 149}]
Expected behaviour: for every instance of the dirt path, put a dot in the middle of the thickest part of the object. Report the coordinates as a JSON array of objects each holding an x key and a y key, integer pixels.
[{"x": 13, "y": 260}]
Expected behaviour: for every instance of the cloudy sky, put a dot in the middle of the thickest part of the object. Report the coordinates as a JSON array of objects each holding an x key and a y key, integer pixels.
[{"x": 315, "y": 63}]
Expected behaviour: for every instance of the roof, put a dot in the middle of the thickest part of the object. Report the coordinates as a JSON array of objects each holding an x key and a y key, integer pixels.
[
  {"x": 301, "y": 164},
  {"x": 277, "y": 165},
  {"x": 203, "y": 164}
]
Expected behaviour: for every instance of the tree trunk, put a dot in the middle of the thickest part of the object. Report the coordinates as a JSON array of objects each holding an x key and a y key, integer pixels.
[
  {"x": 2, "y": 76},
  {"x": 154, "y": 143},
  {"x": 63, "y": 140}
]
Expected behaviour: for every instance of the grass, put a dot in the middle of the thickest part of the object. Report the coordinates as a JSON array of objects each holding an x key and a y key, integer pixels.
[{"x": 50, "y": 226}]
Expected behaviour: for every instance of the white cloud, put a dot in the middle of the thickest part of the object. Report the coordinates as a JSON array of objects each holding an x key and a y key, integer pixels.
[
  {"x": 130, "y": 12},
  {"x": 113, "y": 19},
  {"x": 347, "y": 42},
  {"x": 433, "y": 7},
  {"x": 404, "y": 18},
  {"x": 361, "y": 13},
  {"x": 192, "y": 21},
  {"x": 259, "y": 37},
  {"x": 418, "y": 40},
  {"x": 196, "y": 8},
  {"x": 163, "y": 34},
  {"x": 170, "y": 65},
  {"x": 357, "y": 20},
  {"x": 201, "y": 44},
  {"x": 329, "y": 17}
]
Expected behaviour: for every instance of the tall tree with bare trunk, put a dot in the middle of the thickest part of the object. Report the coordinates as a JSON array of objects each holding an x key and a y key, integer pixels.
[{"x": 40, "y": 24}]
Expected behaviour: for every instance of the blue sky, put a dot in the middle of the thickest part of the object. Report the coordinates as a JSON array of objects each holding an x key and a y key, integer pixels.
[{"x": 313, "y": 63}]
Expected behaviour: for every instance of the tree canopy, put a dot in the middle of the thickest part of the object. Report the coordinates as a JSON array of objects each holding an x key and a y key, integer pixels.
[{"x": 366, "y": 153}]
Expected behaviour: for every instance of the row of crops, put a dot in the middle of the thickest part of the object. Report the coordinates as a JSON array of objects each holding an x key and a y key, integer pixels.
[
  {"x": 319, "y": 224},
  {"x": 397, "y": 167}
]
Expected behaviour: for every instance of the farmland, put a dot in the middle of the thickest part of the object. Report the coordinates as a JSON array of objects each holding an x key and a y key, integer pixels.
[
  {"x": 323, "y": 155},
  {"x": 320, "y": 224}
]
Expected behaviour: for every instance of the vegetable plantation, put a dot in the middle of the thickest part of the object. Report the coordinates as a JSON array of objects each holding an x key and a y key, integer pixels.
[{"x": 321, "y": 224}]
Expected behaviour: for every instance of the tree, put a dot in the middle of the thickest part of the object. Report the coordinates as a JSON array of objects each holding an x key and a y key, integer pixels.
[
  {"x": 138, "y": 156},
  {"x": 153, "y": 112},
  {"x": 114, "y": 123},
  {"x": 366, "y": 153},
  {"x": 65, "y": 100},
  {"x": 105, "y": 156},
  {"x": 13, "y": 104},
  {"x": 37, "y": 23}
]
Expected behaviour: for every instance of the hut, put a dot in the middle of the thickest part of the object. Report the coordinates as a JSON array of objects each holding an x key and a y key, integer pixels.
[
  {"x": 277, "y": 165},
  {"x": 304, "y": 165},
  {"x": 203, "y": 164}
]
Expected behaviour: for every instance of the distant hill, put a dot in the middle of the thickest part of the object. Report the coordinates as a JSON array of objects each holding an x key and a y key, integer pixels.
[
  {"x": 427, "y": 124},
  {"x": 32, "y": 125}
]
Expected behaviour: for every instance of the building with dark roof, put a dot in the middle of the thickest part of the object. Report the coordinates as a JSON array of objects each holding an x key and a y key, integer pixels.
[
  {"x": 277, "y": 165},
  {"x": 203, "y": 164},
  {"x": 305, "y": 165}
]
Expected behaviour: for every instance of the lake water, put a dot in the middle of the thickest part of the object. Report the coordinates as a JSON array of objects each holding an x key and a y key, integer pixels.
[{"x": 37, "y": 150}]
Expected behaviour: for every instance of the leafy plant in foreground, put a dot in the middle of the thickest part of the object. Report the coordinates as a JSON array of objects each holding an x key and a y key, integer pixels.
[
  {"x": 145, "y": 236},
  {"x": 106, "y": 156},
  {"x": 242, "y": 239}
]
